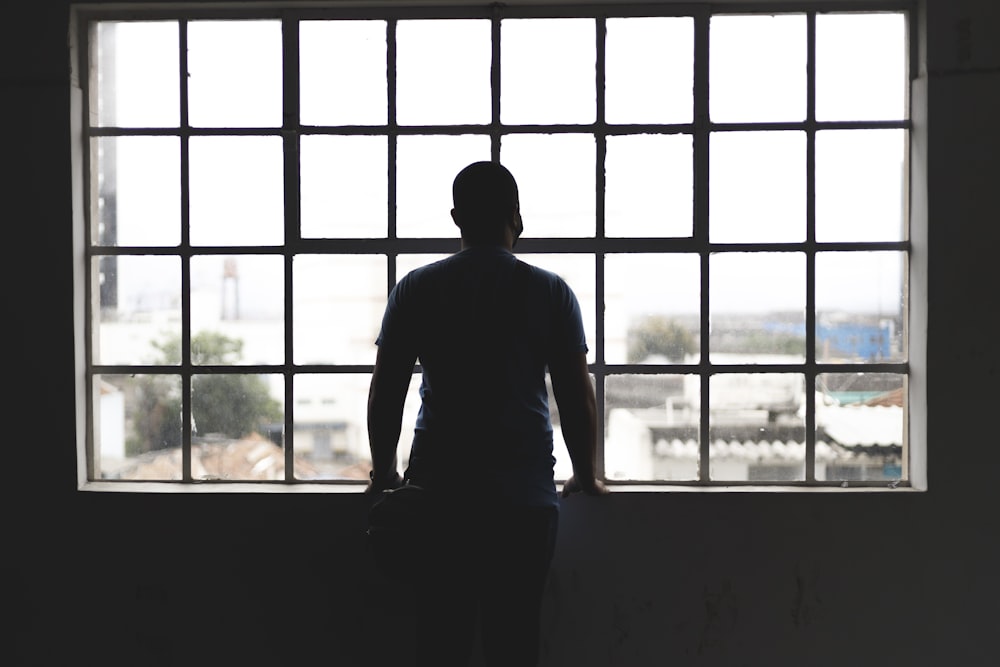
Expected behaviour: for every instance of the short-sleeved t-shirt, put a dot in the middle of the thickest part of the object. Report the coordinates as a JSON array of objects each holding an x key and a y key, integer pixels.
[{"x": 483, "y": 325}]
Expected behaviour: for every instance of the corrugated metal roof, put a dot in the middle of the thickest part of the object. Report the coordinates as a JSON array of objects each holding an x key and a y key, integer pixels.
[{"x": 862, "y": 425}]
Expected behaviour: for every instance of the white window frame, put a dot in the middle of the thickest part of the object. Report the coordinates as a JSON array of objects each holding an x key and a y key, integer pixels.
[{"x": 914, "y": 246}]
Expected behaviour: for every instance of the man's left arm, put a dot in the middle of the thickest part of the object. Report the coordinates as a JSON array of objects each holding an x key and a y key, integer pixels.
[{"x": 386, "y": 399}]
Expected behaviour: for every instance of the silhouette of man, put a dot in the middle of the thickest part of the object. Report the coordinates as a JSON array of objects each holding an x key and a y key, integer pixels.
[{"x": 484, "y": 326}]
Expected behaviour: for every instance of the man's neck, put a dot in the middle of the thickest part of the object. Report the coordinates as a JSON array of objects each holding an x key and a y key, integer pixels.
[{"x": 508, "y": 246}]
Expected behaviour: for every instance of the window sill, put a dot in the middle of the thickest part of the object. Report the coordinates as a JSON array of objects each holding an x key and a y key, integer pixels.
[{"x": 357, "y": 488}]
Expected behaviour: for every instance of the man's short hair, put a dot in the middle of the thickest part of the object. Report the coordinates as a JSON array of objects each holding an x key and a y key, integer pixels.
[{"x": 485, "y": 197}]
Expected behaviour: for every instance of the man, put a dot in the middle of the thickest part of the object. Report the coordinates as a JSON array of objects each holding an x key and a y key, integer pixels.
[{"x": 484, "y": 326}]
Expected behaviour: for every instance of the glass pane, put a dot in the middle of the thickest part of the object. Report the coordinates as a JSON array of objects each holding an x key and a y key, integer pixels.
[
  {"x": 757, "y": 70},
  {"x": 138, "y": 191},
  {"x": 237, "y": 309},
  {"x": 757, "y": 303},
  {"x": 649, "y": 70},
  {"x": 541, "y": 84},
  {"x": 344, "y": 186},
  {"x": 140, "y": 308},
  {"x": 861, "y": 66},
  {"x": 138, "y": 66},
  {"x": 410, "y": 409},
  {"x": 578, "y": 272},
  {"x": 137, "y": 421},
  {"x": 331, "y": 426},
  {"x": 406, "y": 263},
  {"x": 651, "y": 306},
  {"x": 757, "y": 187},
  {"x": 234, "y": 73},
  {"x": 237, "y": 422},
  {"x": 860, "y": 185},
  {"x": 555, "y": 179},
  {"x": 652, "y": 430},
  {"x": 757, "y": 427},
  {"x": 859, "y": 306},
  {"x": 342, "y": 67},
  {"x": 331, "y": 431},
  {"x": 649, "y": 185},
  {"x": 237, "y": 191},
  {"x": 433, "y": 87},
  {"x": 426, "y": 167},
  {"x": 563, "y": 467},
  {"x": 338, "y": 303},
  {"x": 860, "y": 426}
]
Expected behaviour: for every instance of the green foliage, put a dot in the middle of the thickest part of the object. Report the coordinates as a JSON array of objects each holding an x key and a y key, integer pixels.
[
  {"x": 658, "y": 334},
  {"x": 207, "y": 347},
  {"x": 233, "y": 405},
  {"x": 156, "y": 423},
  {"x": 761, "y": 342},
  {"x": 758, "y": 342}
]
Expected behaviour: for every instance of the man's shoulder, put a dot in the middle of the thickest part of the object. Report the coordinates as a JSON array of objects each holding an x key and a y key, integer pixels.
[
  {"x": 456, "y": 268},
  {"x": 538, "y": 276},
  {"x": 425, "y": 272}
]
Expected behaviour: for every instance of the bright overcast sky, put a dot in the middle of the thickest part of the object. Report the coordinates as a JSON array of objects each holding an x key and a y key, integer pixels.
[{"x": 758, "y": 73}]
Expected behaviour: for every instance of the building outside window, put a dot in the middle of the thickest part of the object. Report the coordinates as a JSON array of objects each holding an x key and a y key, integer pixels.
[{"x": 726, "y": 191}]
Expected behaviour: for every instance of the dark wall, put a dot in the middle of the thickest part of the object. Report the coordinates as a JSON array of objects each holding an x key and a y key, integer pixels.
[{"x": 688, "y": 578}]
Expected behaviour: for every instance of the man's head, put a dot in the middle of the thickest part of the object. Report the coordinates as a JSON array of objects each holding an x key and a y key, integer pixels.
[{"x": 486, "y": 203}]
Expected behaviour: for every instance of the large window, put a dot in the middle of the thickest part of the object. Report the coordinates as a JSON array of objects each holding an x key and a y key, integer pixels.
[{"x": 727, "y": 193}]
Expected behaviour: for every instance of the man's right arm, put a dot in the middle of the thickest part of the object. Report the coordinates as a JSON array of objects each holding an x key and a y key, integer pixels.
[
  {"x": 386, "y": 399},
  {"x": 577, "y": 404}
]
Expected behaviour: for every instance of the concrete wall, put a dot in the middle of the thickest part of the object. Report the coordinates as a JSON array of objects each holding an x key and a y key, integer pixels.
[{"x": 696, "y": 578}]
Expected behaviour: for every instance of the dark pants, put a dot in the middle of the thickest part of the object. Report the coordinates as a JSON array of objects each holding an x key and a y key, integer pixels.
[{"x": 490, "y": 566}]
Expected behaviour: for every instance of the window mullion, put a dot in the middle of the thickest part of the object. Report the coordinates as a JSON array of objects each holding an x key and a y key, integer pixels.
[
  {"x": 702, "y": 124},
  {"x": 392, "y": 132},
  {"x": 293, "y": 219},
  {"x": 811, "y": 376},
  {"x": 599, "y": 179},
  {"x": 185, "y": 176},
  {"x": 495, "y": 126}
]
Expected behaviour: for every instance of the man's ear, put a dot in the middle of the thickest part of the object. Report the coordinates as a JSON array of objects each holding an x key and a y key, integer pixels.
[
  {"x": 454, "y": 219},
  {"x": 516, "y": 225}
]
